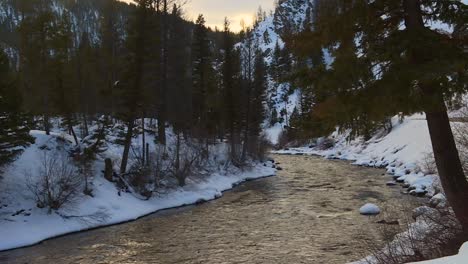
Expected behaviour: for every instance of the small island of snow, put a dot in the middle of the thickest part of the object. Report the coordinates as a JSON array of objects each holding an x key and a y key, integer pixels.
[{"x": 369, "y": 209}]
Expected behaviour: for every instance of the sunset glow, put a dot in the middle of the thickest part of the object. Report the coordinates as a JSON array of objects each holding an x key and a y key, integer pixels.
[{"x": 215, "y": 11}]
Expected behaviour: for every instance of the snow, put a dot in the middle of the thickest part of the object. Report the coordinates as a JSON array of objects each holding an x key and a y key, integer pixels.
[
  {"x": 24, "y": 224},
  {"x": 461, "y": 258},
  {"x": 273, "y": 133},
  {"x": 369, "y": 209}
]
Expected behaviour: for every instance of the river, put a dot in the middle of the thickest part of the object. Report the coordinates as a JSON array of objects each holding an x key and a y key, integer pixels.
[{"x": 308, "y": 213}]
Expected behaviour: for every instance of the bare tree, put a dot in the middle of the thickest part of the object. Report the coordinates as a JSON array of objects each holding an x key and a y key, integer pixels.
[{"x": 57, "y": 184}]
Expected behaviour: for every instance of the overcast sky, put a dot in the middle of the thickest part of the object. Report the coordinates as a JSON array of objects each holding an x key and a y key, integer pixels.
[{"x": 215, "y": 10}]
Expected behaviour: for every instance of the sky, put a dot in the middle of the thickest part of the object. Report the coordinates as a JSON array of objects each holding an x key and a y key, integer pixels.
[{"x": 216, "y": 10}]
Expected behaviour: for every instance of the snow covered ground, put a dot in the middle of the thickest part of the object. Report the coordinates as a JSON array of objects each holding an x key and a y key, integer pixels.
[{"x": 23, "y": 223}]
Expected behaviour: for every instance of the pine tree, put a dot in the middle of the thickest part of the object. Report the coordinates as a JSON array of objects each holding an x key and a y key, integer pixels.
[
  {"x": 204, "y": 81},
  {"x": 162, "y": 93},
  {"x": 260, "y": 86},
  {"x": 248, "y": 53},
  {"x": 179, "y": 76},
  {"x": 14, "y": 135},
  {"x": 274, "y": 117},
  {"x": 275, "y": 63},
  {"x": 131, "y": 87},
  {"x": 63, "y": 94},
  {"x": 231, "y": 97},
  {"x": 382, "y": 68},
  {"x": 110, "y": 47},
  {"x": 87, "y": 81},
  {"x": 35, "y": 49}
]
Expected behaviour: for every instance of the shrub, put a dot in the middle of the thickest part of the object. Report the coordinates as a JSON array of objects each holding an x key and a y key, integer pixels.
[
  {"x": 461, "y": 136},
  {"x": 326, "y": 143},
  {"x": 428, "y": 164},
  {"x": 57, "y": 184},
  {"x": 182, "y": 164}
]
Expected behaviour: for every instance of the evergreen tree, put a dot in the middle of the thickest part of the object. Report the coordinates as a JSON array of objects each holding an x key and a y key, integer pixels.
[
  {"x": 274, "y": 117},
  {"x": 260, "y": 86},
  {"x": 63, "y": 94},
  {"x": 231, "y": 95},
  {"x": 87, "y": 81},
  {"x": 204, "y": 81},
  {"x": 162, "y": 93},
  {"x": 179, "y": 76},
  {"x": 35, "y": 49},
  {"x": 14, "y": 132},
  {"x": 110, "y": 47},
  {"x": 131, "y": 88},
  {"x": 275, "y": 63}
]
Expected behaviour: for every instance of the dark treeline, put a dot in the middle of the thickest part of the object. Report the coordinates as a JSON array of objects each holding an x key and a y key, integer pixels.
[{"x": 158, "y": 67}]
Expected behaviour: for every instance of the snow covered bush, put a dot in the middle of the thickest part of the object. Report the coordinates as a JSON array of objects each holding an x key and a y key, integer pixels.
[
  {"x": 326, "y": 143},
  {"x": 158, "y": 167},
  {"x": 428, "y": 164},
  {"x": 182, "y": 163},
  {"x": 283, "y": 139},
  {"x": 461, "y": 136},
  {"x": 57, "y": 183}
]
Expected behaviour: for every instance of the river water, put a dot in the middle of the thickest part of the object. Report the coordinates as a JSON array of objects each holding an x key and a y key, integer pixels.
[{"x": 308, "y": 213}]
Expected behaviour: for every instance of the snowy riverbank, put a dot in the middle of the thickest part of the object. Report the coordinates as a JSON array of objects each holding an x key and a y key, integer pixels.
[
  {"x": 402, "y": 152},
  {"x": 23, "y": 224}
]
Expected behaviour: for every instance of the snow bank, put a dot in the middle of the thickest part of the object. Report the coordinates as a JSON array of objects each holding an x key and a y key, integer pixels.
[
  {"x": 23, "y": 224},
  {"x": 461, "y": 258}
]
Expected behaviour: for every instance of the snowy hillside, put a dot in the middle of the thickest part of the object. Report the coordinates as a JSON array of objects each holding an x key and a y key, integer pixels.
[
  {"x": 289, "y": 17},
  {"x": 86, "y": 15}
]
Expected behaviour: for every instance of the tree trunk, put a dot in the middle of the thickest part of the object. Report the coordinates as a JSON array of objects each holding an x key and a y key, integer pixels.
[
  {"x": 164, "y": 68},
  {"x": 445, "y": 151},
  {"x": 143, "y": 141},
  {"x": 147, "y": 155},
  {"x": 108, "y": 171},
  {"x": 179, "y": 174},
  {"x": 85, "y": 123},
  {"x": 128, "y": 143},
  {"x": 74, "y": 135},
  {"x": 100, "y": 137},
  {"x": 46, "y": 124},
  {"x": 448, "y": 161}
]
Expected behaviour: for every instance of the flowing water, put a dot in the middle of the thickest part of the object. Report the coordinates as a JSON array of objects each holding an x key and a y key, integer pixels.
[{"x": 308, "y": 213}]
